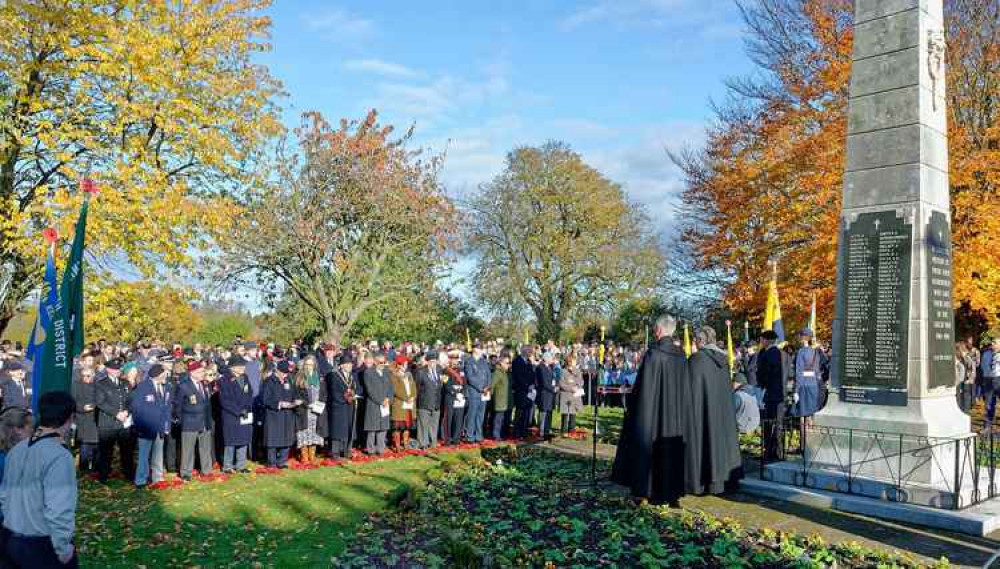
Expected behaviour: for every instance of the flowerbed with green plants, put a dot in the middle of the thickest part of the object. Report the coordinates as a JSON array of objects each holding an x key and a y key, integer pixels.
[{"x": 530, "y": 507}]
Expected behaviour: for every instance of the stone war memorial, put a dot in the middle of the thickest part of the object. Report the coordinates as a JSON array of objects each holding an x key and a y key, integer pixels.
[{"x": 892, "y": 429}]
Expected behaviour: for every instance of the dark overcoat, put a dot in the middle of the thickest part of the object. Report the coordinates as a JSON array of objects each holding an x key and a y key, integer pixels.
[
  {"x": 279, "y": 424},
  {"x": 522, "y": 379},
  {"x": 338, "y": 413},
  {"x": 713, "y": 459},
  {"x": 236, "y": 401},
  {"x": 546, "y": 387},
  {"x": 651, "y": 449},
  {"x": 86, "y": 421},
  {"x": 378, "y": 387},
  {"x": 110, "y": 397}
]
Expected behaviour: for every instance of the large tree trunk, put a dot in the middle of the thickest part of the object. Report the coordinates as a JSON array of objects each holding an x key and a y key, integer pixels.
[{"x": 549, "y": 326}]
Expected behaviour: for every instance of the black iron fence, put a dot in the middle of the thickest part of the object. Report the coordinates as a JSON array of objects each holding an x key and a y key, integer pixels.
[{"x": 952, "y": 473}]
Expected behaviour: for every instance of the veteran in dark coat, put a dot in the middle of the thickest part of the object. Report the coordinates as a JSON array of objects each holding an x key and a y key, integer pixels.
[
  {"x": 378, "y": 395},
  {"x": 278, "y": 396},
  {"x": 651, "y": 449},
  {"x": 193, "y": 410},
  {"x": 713, "y": 459},
  {"x": 338, "y": 393},
  {"x": 112, "y": 396},
  {"x": 237, "y": 402}
]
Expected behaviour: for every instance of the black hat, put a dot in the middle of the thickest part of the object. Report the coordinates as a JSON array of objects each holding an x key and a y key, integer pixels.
[
  {"x": 431, "y": 356},
  {"x": 13, "y": 365},
  {"x": 113, "y": 364},
  {"x": 345, "y": 358},
  {"x": 769, "y": 335},
  {"x": 155, "y": 370},
  {"x": 236, "y": 360},
  {"x": 286, "y": 366}
]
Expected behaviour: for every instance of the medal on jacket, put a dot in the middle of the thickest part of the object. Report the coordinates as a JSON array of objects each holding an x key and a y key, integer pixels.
[
  {"x": 246, "y": 388},
  {"x": 287, "y": 386}
]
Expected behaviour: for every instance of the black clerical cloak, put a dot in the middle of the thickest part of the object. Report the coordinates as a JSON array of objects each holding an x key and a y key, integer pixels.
[
  {"x": 651, "y": 450},
  {"x": 713, "y": 457}
]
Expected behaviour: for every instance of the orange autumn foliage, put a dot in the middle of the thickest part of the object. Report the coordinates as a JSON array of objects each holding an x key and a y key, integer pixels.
[{"x": 767, "y": 185}]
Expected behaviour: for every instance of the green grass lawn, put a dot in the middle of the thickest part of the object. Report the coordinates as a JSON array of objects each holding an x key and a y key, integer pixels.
[{"x": 298, "y": 518}]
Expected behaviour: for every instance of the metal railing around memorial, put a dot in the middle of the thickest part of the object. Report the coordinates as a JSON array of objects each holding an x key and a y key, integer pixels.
[{"x": 957, "y": 472}]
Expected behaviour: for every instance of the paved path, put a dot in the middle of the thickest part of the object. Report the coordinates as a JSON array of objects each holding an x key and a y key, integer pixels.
[{"x": 833, "y": 526}]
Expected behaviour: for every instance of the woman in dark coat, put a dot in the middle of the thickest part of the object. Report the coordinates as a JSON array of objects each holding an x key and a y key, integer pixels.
[
  {"x": 338, "y": 394},
  {"x": 278, "y": 396},
  {"x": 86, "y": 422},
  {"x": 236, "y": 404}
]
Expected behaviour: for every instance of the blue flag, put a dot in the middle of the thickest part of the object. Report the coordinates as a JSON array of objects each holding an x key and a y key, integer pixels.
[{"x": 46, "y": 306}]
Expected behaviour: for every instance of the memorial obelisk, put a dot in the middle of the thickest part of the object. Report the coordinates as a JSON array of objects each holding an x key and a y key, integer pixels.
[{"x": 893, "y": 362}]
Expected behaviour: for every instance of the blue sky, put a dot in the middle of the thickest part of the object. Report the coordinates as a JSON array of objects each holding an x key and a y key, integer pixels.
[{"x": 619, "y": 80}]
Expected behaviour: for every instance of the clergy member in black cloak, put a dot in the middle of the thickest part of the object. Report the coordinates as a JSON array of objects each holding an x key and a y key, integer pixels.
[
  {"x": 713, "y": 458},
  {"x": 650, "y": 456}
]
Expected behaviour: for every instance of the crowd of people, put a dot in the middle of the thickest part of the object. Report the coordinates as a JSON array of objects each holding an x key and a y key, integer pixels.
[{"x": 150, "y": 408}]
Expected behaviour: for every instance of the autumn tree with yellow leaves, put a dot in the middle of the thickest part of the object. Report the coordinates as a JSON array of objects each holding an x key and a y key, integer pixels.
[
  {"x": 159, "y": 102},
  {"x": 767, "y": 184},
  {"x": 553, "y": 234}
]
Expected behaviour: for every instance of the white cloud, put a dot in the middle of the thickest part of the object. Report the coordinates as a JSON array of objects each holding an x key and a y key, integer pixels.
[
  {"x": 380, "y": 67},
  {"x": 339, "y": 24},
  {"x": 673, "y": 14}
]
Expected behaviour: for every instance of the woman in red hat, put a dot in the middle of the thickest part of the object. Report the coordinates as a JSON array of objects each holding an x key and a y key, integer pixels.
[{"x": 404, "y": 401}]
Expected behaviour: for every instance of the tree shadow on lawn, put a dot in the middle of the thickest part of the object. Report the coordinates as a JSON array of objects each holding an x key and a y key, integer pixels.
[
  {"x": 960, "y": 549},
  {"x": 300, "y": 518}
]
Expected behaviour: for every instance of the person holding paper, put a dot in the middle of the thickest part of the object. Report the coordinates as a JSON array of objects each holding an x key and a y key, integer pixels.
[
  {"x": 279, "y": 399},
  {"x": 454, "y": 401},
  {"x": 429, "y": 388},
  {"x": 378, "y": 397},
  {"x": 111, "y": 396},
  {"x": 570, "y": 393},
  {"x": 236, "y": 400},
  {"x": 404, "y": 403},
  {"x": 307, "y": 387}
]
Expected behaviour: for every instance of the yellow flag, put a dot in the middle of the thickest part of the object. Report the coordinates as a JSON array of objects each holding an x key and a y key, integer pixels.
[
  {"x": 729, "y": 348},
  {"x": 772, "y": 316},
  {"x": 600, "y": 350},
  {"x": 468, "y": 341},
  {"x": 687, "y": 341}
]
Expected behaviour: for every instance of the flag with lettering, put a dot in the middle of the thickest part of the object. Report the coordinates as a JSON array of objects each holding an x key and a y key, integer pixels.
[
  {"x": 47, "y": 303},
  {"x": 65, "y": 340}
]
